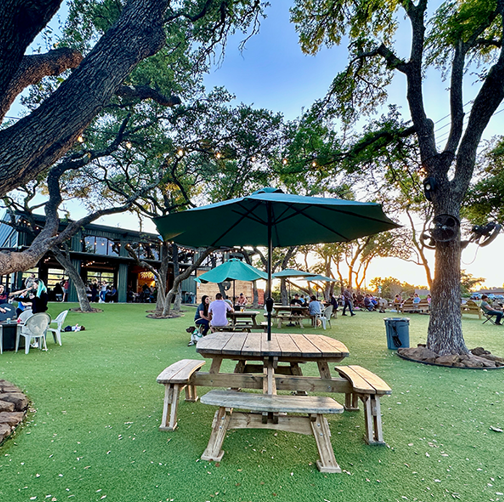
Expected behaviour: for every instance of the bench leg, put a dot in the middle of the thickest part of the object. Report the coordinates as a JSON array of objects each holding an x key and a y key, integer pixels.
[
  {"x": 372, "y": 410},
  {"x": 219, "y": 428},
  {"x": 169, "y": 419},
  {"x": 322, "y": 434},
  {"x": 191, "y": 394},
  {"x": 351, "y": 402}
]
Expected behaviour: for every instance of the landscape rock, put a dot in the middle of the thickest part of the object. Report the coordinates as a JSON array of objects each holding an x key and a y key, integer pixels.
[
  {"x": 478, "y": 351},
  {"x": 6, "y": 406},
  {"x": 19, "y": 399},
  {"x": 419, "y": 354},
  {"x": 13, "y": 406},
  {"x": 12, "y": 418},
  {"x": 449, "y": 360}
]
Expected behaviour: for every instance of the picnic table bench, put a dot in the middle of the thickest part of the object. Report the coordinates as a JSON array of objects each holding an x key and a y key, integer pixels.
[
  {"x": 471, "y": 307},
  {"x": 264, "y": 410},
  {"x": 415, "y": 308}
]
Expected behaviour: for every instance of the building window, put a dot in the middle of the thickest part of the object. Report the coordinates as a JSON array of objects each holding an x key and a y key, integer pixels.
[
  {"x": 100, "y": 245},
  {"x": 54, "y": 275},
  {"x": 100, "y": 277}
]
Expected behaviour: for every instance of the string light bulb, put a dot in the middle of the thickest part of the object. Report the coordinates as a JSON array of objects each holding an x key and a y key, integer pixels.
[
  {"x": 80, "y": 139},
  {"x": 128, "y": 145},
  {"x": 284, "y": 162},
  {"x": 180, "y": 152}
]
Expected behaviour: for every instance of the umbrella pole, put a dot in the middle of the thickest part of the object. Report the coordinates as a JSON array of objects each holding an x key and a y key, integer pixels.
[{"x": 269, "y": 299}]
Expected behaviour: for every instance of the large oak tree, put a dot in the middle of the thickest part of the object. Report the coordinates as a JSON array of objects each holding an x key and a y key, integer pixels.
[{"x": 451, "y": 39}]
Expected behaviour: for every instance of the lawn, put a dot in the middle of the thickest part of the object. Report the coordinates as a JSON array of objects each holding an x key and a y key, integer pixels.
[{"x": 93, "y": 432}]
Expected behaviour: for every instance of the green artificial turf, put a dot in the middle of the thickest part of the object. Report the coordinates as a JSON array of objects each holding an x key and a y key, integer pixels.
[{"x": 93, "y": 434}]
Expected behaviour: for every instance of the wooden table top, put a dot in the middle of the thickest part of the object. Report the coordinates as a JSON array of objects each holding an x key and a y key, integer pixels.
[
  {"x": 284, "y": 346},
  {"x": 245, "y": 313}
]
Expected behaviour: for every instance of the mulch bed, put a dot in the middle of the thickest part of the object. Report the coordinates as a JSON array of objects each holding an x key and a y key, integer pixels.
[
  {"x": 478, "y": 358},
  {"x": 92, "y": 311},
  {"x": 171, "y": 316}
]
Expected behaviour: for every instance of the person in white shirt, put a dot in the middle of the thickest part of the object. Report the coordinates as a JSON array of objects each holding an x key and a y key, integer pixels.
[{"x": 218, "y": 310}]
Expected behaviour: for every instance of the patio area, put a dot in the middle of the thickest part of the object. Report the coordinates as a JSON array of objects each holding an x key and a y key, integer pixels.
[{"x": 94, "y": 434}]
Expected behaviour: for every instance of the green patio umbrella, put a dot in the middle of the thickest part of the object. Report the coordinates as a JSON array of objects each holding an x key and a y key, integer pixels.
[
  {"x": 290, "y": 273},
  {"x": 269, "y": 217},
  {"x": 232, "y": 270}
]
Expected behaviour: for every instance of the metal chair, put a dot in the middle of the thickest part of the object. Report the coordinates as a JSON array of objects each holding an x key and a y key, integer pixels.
[
  {"x": 487, "y": 316},
  {"x": 36, "y": 329},
  {"x": 56, "y": 332}
]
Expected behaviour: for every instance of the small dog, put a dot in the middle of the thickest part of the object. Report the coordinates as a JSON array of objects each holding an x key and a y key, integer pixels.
[{"x": 195, "y": 335}]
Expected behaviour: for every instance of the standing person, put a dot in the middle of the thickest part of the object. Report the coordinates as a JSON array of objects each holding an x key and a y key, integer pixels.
[
  {"x": 202, "y": 316},
  {"x": 94, "y": 291},
  {"x": 347, "y": 298},
  {"x": 29, "y": 281},
  {"x": 334, "y": 303},
  {"x": 103, "y": 292},
  {"x": 218, "y": 310},
  {"x": 66, "y": 286}
]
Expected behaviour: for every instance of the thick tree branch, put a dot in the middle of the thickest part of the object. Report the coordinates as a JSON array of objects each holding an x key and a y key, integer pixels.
[
  {"x": 39, "y": 140},
  {"x": 33, "y": 69},
  {"x": 144, "y": 92},
  {"x": 20, "y": 23}
]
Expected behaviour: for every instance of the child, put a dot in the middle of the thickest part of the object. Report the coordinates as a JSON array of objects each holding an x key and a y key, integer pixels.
[{"x": 195, "y": 335}]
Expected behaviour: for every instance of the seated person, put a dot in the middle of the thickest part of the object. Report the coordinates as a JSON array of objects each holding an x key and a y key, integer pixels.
[
  {"x": 242, "y": 300},
  {"x": 218, "y": 310},
  {"x": 397, "y": 301},
  {"x": 296, "y": 301},
  {"x": 489, "y": 310},
  {"x": 416, "y": 299},
  {"x": 368, "y": 304},
  {"x": 202, "y": 317},
  {"x": 314, "y": 308}
]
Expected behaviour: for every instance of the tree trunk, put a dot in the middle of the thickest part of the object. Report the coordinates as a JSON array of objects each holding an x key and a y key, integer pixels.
[
  {"x": 176, "y": 273},
  {"x": 162, "y": 276},
  {"x": 445, "y": 326},
  {"x": 283, "y": 292},
  {"x": 75, "y": 279},
  {"x": 178, "y": 280},
  {"x": 255, "y": 300}
]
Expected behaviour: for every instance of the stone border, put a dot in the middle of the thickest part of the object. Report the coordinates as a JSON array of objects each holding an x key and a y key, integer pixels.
[
  {"x": 444, "y": 366},
  {"x": 13, "y": 408},
  {"x": 477, "y": 358}
]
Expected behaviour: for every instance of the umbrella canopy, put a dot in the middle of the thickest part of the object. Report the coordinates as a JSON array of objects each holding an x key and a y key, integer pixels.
[
  {"x": 270, "y": 217},
  {"x": 322, "y": 278},
  {"x": 291, "y": 272},
  {"x": 232, "y": 270},
  {"x": 291, "y": 219}
]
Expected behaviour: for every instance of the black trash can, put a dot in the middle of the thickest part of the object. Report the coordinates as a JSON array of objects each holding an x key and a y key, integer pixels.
[{"x": 397, "y": 332}]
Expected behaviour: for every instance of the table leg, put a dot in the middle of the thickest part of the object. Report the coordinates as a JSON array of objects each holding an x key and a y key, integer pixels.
[
  {"x": 324, "y": 370},
  {"x": 216, "y": 364},
  {"x": 269, "y": 382}
]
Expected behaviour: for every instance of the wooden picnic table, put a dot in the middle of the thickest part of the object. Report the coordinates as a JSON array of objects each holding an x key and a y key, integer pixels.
[
  {"x": 245, "y": 318},
  {"x": 268, "y": 410}
]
